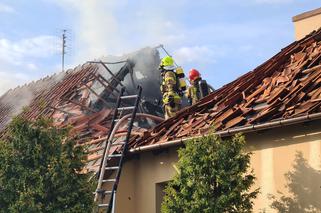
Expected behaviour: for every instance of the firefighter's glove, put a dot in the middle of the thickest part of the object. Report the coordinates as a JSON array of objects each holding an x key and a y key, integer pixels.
[
  {"x": 190, "y": 101},
  {"x": 161, "y": 68},
  {"x": 158, "y": 102},
  {"x": 171, "y": 101}
]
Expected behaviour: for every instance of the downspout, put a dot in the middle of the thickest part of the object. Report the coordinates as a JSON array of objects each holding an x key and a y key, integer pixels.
[{"x": 231, "y": 131}]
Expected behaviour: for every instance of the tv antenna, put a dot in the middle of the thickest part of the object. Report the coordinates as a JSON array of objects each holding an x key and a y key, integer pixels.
[{"x": 64, "y": 36}]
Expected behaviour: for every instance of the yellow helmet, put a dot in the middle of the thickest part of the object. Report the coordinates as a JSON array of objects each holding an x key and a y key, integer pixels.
[{"x": 167, "y": 63}]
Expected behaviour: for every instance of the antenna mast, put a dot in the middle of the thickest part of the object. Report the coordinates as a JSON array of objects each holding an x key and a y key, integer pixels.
[{"x": 63, "y": 49}]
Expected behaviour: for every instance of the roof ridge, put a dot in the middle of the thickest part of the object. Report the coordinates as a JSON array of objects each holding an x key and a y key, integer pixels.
[{"x": 44, "y": 78}]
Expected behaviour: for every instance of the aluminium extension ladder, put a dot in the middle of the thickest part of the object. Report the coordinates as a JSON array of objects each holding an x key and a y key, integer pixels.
[{"x": 113, "y": 163}]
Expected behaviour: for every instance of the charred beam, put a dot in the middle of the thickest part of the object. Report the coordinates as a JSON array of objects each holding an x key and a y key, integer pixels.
[
  {"x": 64, "y": 111},
  {"x": 98, "y": 96},
  {"x": 108, "y": 70},
  {"x": 109, "y": 87},
  {"x": 81, "y": 105}
]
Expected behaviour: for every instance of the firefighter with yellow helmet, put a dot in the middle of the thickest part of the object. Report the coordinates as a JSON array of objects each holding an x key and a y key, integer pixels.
[{"x": 172, "y": 86}]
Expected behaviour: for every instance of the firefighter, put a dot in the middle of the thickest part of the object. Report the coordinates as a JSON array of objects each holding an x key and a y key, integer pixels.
[
  {"x": 170, "y": 87},
  {"x": 198, "y": 88}
]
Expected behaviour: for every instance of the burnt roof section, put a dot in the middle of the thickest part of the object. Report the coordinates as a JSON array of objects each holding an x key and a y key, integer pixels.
[
  {"x": 15, "y": 100},
  {"x": 71, "y": 99},
  {"x": 84, "y": 98},
  {"x": 286, "y": 86}
]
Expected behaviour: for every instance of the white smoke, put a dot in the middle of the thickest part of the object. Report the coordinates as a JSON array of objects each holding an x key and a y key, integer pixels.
[
  {"x": 94, "y": 25},
  {"x": 144, "y": 64},
  {"x": 115, "y": 27},
  {"x": 13, "y": 102},
  {"x": 16, "y": 99}
]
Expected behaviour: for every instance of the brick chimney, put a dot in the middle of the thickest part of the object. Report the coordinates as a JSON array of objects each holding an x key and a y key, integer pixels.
[{"x": 306, "y": 22}]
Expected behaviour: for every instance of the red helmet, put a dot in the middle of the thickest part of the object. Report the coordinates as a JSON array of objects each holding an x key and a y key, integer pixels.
[{"x": 193, "y": 75}]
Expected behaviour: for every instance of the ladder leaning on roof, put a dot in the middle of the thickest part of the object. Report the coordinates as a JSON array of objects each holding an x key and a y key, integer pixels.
[{"x": 106, "y": 198}]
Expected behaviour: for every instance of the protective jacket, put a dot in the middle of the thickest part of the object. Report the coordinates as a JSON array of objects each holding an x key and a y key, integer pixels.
[
  {"x": 193, "y": 92},
  {"x": 170, "y": 90}
]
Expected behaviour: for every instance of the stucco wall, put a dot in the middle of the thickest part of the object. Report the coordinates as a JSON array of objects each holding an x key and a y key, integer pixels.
[
  {"x": 304, "y": 26},
  {"x": 139, "y": 180},
  {"x": 275, "y": 152},
  {"x": 289, "y": 151}
]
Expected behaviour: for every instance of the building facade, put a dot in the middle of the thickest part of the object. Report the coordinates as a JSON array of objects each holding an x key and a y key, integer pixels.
[{"x": 286, "y": 162}]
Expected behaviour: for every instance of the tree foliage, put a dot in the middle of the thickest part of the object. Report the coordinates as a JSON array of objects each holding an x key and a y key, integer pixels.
[
  {"x": 213, "y": 176},
  {"x": 40, "y": 170}
]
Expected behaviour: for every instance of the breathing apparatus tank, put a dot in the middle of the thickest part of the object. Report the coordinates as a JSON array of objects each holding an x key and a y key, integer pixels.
[
  {"x": 181, "y": 79},
  {"x": 203, "y": 88}
]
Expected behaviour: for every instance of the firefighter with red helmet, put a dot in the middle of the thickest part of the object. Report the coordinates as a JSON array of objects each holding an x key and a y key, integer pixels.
[{"x": 198, "y": 88}]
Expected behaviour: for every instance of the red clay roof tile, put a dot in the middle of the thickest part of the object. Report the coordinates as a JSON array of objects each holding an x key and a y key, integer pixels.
[{"x": 285, "y": 86}]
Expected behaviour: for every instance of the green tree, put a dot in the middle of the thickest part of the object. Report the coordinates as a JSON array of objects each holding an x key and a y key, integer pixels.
[
  {"x": 213, "y": 176},
  {"x": 40, "y": 170}
]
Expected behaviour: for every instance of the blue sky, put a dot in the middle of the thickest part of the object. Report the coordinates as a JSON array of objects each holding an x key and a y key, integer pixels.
[{"x": 223, "y": 39}]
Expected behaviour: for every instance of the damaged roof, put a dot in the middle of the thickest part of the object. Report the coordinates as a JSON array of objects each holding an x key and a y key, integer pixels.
[
  {"x": 63, "y": 97},
  {"x": 286, "y": 86},
  {"x": 83, "y": 98}
]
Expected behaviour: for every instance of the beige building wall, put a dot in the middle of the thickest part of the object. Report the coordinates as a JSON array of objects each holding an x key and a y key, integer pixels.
[
  {"x": 306, "y": 23},
  {"x": 287, "y": 160},
  {"x": 141, "y": 177},
  {"x": 295, "y": 149}
]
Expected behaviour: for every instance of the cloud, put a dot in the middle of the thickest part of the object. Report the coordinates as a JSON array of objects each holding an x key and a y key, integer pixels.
[
  {"x": 4, "y": 8},
  {"x": 251, "y": 2},
  {"x": 194, "y": 54},
  {"x": 116, "y": 27},
  {"x": 32, "y": 66},
  {"x": 7, "y": 80},
  {"x": 14, "y": 52},
  {"x": 273, "y": 1},
  {"x": 95, "y": 26},
  {"x": 16, "y": 58}
]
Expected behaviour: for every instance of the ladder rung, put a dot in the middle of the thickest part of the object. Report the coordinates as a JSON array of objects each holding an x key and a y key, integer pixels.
[
  {"x": 119, "y": 113},
  {"x": 118, "y": 143},
  {"x": 129, "y": 96},
  {"x": 119, "y": 119},
  {"x": 126, "y": 108},
  {"x": 102, "y": 191},
  {"x": 129, "y": 119},
  {"x": 109, "y": 180},
  {"x": 114, "y": 156},
  {"x": 112, "y": 168},
  {"x": 103, "y": 205}
]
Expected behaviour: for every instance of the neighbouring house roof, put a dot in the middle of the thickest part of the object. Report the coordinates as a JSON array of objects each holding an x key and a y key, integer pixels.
[{"x": 286, "y": 86}]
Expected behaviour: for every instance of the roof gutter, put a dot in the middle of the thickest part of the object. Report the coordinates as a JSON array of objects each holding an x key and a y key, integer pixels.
[{"x": 232, "y": 131}]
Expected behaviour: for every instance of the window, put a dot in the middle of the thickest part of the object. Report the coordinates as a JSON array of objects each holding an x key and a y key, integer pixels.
[{"x": 159, "y": 195}]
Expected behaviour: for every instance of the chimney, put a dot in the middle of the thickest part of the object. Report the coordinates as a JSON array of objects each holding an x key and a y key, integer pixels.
[{"x": 305, "y": 23}]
